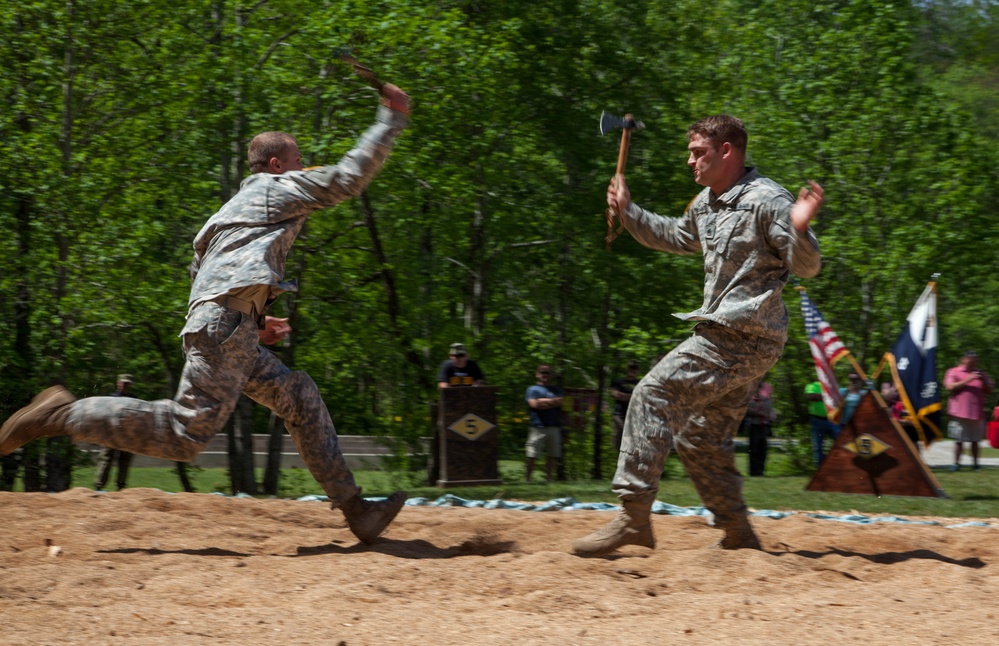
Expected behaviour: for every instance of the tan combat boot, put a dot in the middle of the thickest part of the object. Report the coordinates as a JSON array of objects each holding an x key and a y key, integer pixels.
[
  {"x": 369, "y": 519},
  {"x": 631, "y": 526},
  {"x": 740, "y": 536},
  {"x": 45, "y": 416}
]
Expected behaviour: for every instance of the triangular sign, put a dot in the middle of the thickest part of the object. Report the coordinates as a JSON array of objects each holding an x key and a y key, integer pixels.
[{"x": 874, "y": 455}]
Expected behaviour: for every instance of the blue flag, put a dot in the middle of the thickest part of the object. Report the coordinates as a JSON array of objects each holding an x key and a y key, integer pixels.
[{"x": 913, "y": 361}]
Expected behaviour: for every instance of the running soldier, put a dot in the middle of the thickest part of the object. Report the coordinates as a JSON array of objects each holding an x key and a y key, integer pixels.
[{"x": 237, "y": 273}]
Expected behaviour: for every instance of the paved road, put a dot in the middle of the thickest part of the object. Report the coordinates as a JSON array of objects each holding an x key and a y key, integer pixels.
[{"x": 941, "y": 454}]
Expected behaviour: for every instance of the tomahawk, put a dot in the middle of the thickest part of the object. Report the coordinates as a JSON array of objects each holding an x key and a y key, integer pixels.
[
  {"x": 609, "y": 122},
  {"x": 345, "y": 55}
]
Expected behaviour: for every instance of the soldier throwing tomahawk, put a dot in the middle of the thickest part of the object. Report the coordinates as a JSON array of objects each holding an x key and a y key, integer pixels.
[
  {"x": 237, "y": 272},
  {"x": 752, "y": 234}
]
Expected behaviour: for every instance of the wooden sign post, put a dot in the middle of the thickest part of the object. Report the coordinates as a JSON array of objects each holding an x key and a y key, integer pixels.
[
  {"x": 468, "y": 437},
  {"x": 874, "y": 455}
]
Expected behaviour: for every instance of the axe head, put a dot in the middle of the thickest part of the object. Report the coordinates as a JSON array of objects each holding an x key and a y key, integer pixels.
[
  {"x": 345, "y": 54},
  {"x": 610, "y": 122}
]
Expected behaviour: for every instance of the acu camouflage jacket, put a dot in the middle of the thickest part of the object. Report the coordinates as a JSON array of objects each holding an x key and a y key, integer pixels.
[
  {"x": 749, "y": 247},
  {"x": 247, "y": 241}
]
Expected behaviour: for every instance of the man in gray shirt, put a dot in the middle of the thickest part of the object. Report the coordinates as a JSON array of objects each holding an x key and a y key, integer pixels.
[
  {"x": 753, "y": 234},
  {"x": 237, "y": 272}
]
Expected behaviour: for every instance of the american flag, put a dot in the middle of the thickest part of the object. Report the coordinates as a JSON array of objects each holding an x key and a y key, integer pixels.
[{"x": 826, "y": 349}]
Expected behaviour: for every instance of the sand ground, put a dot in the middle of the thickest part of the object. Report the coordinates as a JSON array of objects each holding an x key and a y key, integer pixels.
[{"x": 144, "y": 567}]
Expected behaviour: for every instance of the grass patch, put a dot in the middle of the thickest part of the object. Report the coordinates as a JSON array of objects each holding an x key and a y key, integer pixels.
[{"x": 971, "y": 494}]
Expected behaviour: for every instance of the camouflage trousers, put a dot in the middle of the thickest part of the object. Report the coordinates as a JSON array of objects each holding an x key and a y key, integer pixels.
[
  {"x": 694, "y": 398},
  {"x": 223, "y": 360}
]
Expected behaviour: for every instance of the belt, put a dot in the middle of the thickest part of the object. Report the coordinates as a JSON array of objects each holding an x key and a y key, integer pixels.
[
  {"x": 238, "y": 304},
  {"x": 249, "y": 308}
]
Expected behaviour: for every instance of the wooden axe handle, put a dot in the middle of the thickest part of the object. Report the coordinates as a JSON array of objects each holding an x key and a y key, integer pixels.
[
  {"x": 622, "y": 155},
  {"x": 622, "y": 161},
  {"x": 363, "y": 71}
]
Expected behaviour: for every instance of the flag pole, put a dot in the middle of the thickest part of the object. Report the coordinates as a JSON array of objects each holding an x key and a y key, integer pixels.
[{"x": 856, "y": 366}]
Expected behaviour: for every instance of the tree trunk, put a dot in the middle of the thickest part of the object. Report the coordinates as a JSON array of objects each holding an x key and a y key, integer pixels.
[
  {"x": 434, "y": 464},
  {"x": 275, "y": 444},
  {"x": 241, "y": 472},
  {"x": 233, "y": 449},
  {"x": 22, "y": 304},
  {"x": 478, "y": 260},
  {"x": 31, "y": 461},
  {"x": 598, "y": 417},
  {"x": 248, "y": 462},
  {"x": 402, "y": 339},
  {"x": 24, "y": 356},
  {"x": 58, "y": 460},
  {"x": 59, "y": 450},
  {"x": 9, "y": 466},
  {"x": 231, "y": 134}
]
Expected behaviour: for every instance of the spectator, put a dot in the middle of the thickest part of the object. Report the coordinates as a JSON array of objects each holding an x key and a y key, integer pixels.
[
  {"x": 110, "y": 457},
  {"x": 968, "y": 386},
  {"x": 621, "y": 392},
  {"x": 760, "y": 416},
  {"x": 459, "y": 369},
  {"x": 819, "y": 420},
  {"x": 852, "y": 394},
  {"x": 897, "y": 409},
  {"x": 545, "y": 432}
]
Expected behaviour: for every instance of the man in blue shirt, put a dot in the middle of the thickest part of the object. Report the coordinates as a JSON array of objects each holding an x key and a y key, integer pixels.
[
  {"x": 852, "y": 395},
  {"x": 545, "y": 433}
]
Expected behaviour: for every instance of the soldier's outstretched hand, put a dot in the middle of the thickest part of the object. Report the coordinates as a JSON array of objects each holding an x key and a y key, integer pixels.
[
  {"x": 395, "y": 98},
  {"x": 809, "y": 202}
]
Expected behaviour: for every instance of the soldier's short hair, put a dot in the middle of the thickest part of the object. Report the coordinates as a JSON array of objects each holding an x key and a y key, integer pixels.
[
  {"x": 267, "y": 145},
  {"x": 721, "y": 128}
]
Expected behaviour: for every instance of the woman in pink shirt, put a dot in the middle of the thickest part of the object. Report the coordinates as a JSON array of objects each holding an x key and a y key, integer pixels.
[{"x": 968, "y": 387}]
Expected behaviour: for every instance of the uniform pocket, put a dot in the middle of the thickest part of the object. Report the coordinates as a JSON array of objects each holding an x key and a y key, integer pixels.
[{"x": 224, "y": 325}]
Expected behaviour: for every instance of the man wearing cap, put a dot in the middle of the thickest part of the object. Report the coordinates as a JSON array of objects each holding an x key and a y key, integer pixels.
[
  {"x": 968, "y": 386},
  {"x": 236, "y": 273},
  {"x": 110, "y": 457},
  {"x": 459, "y": 369}
]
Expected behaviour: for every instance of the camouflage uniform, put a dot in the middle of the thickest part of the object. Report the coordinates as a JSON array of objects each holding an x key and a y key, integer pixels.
[
  {"x": 697, "y": 395},
  {"x": 241, "y": 251},
  {"x": 111, "y": 457}
]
